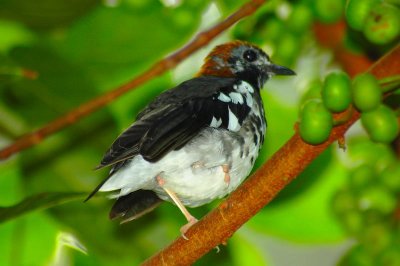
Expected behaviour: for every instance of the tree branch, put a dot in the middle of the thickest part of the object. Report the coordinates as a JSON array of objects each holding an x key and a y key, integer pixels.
[
  {"x": 157, "y": 69},
  {"x": 259, "y": 189},
  {"x": 332, "y": 36}
]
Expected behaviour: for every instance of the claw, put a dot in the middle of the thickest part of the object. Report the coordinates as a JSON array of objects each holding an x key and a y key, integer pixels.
[{"x": 191, "y": 221}]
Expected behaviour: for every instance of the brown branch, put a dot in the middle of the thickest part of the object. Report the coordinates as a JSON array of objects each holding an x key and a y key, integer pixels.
[
  {"x": 157, "y": 69},
  {"x": 332, "y": 36},
  {"x": 259, "y": 189}
]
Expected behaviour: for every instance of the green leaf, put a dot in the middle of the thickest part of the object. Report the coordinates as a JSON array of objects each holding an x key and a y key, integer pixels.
[
  {"x": 45, "y": 14},
  {"x": 29, "y": 240},
  {"x": 37, "y": 202},
  {"x": 114, "y": 44},
  {"x": 246, "y": 252},
  {"x": 13, "y": 34},
  {"x": 59, "y": 87},
  {"x": 307, "y": 217},
  {"x": 306, "y": 179}
]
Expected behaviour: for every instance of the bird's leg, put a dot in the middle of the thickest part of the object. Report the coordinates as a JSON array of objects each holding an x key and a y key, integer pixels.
[
  {"x": 191, "y": 220},
  {"x": 227, "y": 177}
]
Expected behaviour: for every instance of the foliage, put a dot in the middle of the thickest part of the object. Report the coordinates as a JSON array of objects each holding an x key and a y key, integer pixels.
[{"x": 56, "y": 55}]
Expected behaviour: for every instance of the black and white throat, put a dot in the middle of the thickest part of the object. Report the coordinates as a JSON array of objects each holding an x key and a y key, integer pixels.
[{"x": 242, "y": 101}]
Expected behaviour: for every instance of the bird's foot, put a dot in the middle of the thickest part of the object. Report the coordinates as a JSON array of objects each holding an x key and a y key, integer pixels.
[
  {"x": 227, "y": 177},
  {"x": 191, "y": 221}
]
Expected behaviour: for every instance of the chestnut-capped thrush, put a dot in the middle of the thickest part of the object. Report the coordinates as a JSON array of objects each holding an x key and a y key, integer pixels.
[{"x": 196, "y": 142}]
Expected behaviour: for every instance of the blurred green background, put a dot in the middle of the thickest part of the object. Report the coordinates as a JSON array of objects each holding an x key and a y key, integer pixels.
[{"x": 54, "y": 55}]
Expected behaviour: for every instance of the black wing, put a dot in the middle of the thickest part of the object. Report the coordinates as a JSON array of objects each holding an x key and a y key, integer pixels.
[{"x": 174, "y": 118}]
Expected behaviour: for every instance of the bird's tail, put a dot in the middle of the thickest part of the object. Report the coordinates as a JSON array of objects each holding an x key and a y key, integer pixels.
[{"x": 134, "y": 205}]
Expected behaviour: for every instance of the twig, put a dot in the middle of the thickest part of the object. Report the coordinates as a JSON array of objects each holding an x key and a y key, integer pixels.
[
  {"x": 157, "y": 69},
  {"x": 332, "y": 36},
  {"x": 259, "y": 189}
]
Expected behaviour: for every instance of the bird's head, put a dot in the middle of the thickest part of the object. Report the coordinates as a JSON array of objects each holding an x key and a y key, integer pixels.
[{"x": 242, "y": 60}]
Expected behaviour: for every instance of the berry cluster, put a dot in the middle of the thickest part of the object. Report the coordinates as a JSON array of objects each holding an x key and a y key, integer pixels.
[
  {"x": 378, "y": 20},
  {"x": 373, "y": 25},
  {"x": 283, "y": 33},
  {"x": 337, "y": 93},
  {"x": 368, "y": 208}
]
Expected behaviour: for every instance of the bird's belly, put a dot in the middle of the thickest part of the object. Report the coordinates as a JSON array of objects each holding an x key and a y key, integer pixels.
[
  {"x": 200, "y": 185},
  {"x": 194, "y": 172},
  {"x": 200, "y": 177}
]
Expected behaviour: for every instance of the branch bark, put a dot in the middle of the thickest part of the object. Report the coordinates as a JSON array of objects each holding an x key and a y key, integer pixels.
[
  {"x": 332, "y": 36},
  {"x": 259, "y": 189},
  {"x": 157, "y": 69}
]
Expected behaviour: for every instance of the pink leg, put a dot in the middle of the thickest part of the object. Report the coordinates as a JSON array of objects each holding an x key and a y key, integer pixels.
[{"x": 191, "y": 220}]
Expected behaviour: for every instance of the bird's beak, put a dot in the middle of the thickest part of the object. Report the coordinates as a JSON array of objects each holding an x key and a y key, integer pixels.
[{"x": 279, "y": 70}]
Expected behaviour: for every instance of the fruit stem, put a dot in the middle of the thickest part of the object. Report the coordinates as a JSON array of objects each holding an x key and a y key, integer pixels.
[
  {"x": 344, "y": 118},
  {"x": 390, "y": 84}
]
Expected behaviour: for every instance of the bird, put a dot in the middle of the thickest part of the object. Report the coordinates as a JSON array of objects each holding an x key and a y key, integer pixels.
[{"x": 196, "y": 142}]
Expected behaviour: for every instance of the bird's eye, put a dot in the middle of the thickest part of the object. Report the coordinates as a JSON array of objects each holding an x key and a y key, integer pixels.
[{"x": 250, "y": 55}]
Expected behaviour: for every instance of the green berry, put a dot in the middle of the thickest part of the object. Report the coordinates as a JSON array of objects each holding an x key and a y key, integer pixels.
[
  {"x": 316, "y": 123},
  {"x": 313, "y": 91},
  {"x": 336, "y": 92},
  {"x": 288, "y": 48},
  {"x": 357, "y": 11},
  {"x": 358, "y": 255},
  {"x": 366, "y": 92},
  {"x": 376, "y": 237},
  {"x": 353, "y": 222},
  {"x": 300, "y": 19},
  {"x": 371, "y": 215},
  {"x": 329, "y": 11},
  {"x": 344, "y": 201},
  {"x": 362, "y": 176},
  {"x": 390, "y": 177},
  {"x": 390, "y": 256},
  {"x": 273, "y": 29},
  {"x": 381, "y": 124},
  {"x": 383, "y": 24},
  {"x": 377, "y": 198},
  {"x": 371, "y": 153}
]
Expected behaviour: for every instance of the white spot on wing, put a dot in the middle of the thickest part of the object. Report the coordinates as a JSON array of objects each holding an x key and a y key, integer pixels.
[
  {"x": 248, "y": 87},
  {"x": 215, "y": 123},
  {"x": 223, "y": 97},
  {"x": 249, "y": 99},
  {"x": 233, "y": 121},
  {"x": 244, "y": 87},
  {"x": 236, "y": 97}
]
